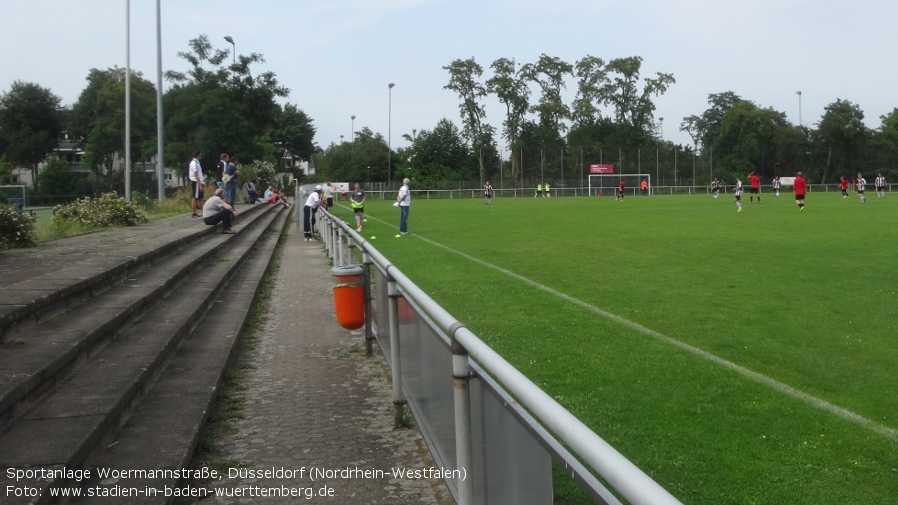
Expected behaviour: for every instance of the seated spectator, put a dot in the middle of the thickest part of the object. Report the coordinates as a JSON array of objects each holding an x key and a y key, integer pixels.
[
  {"x": 253, "y": 193},
  {"x": 270, "y": 195},
  {"x": 217, "y": 211}
]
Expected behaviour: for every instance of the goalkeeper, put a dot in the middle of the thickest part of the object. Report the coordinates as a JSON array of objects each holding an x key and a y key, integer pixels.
[{"x": 357, "y": 202}]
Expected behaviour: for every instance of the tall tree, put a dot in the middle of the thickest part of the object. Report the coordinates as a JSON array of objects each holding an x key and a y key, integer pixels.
[
  {"x": 30, "y": 124},
  {"x": 294, "y": 134},
  {"x": 98, "y": 118},
  {"x": 633, "y": 108},
  {"x": 549, "y": 74},
  {"x": 512, "y": 90},
  {"x": 464, "y": 78},
  {"x": 705, "y": 129},
  {"x": 220, "y": 107},
  {"x": 591, "y": 78},
  {"x": 842, "y": 132},
  {"x": 751, "y": 139}
]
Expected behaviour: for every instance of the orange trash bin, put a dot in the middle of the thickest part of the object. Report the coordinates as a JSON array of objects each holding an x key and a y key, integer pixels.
[{"x": 349, "y": 295}]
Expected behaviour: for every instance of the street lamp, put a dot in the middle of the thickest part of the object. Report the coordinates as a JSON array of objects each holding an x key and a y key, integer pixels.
[
  {"x": 799, "y": 107},
  {"x": 353, "y": 129},
  {"x": 661, "y": 134},
  {"x": 389, "y": 134},
  {"x": 234, "y": 52}
]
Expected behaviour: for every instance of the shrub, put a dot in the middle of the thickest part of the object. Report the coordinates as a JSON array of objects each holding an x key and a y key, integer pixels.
[
  {"x": 16, "y": 230},
  {"x": 107, "y": 210}
]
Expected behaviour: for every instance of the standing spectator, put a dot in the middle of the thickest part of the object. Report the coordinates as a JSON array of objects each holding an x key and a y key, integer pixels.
[
  {"x": 195, "y": 175},
  {"x": 488, "y": 193},
  {"x": 357, "y": 202},
  {"x": 755, "y": 182},
  {"x": 800, "y": 186},
  {"x": 620, "y": 190},
  {"x": 221, "y": 168},
  {"x": 230, "y": 180},
  {"x": 308, "y": 213},
  {"x": 217, "y": 211},
  {"x": 880, "y": 185},
  {"x": 328, "y": 195},
  {"x": 861, "y": 182},
  {"x": 844, "y": 185},
  {"x": 404, "y": 201},
  {"x": 645, "y": 188},
  {"x": 776, "y": 187},
  {"x": 737, "y": 195}
]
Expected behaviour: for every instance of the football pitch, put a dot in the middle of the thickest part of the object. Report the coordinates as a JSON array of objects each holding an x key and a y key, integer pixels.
[{"x": 736, "y": 358}]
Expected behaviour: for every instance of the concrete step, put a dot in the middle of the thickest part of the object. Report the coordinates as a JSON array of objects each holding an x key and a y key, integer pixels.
[
  {"x": 164, "y": 430},
  {"x": 84, "y": 407},
  {"x": 34, "y": 359},
  {"x": 54, "y": 277}
]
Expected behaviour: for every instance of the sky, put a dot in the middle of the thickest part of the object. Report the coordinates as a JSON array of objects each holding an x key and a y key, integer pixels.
[{"x": 337, "y": 57}]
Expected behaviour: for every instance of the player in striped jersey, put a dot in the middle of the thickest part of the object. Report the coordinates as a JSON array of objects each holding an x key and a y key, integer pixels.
[
  {"x": 861, "y": 182},
  {"x": 880, "y": 185}
]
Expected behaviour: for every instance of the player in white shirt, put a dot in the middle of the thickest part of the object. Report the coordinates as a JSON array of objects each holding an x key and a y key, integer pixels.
[
  {"x": 880, "y": 185},
  {"x": 861, "y": 182}
]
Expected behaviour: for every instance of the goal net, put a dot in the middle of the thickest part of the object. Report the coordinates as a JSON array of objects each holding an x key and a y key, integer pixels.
[{"x": 607, "y": 184}]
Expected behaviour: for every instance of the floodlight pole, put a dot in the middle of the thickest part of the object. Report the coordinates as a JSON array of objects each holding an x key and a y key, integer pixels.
[
  {"x": 128, "y": 100},
  {"x": 160, "y": 144},
  {"x": 389, "y": 136}
]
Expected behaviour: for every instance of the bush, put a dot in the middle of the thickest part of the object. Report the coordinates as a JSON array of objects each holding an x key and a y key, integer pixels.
[
  {"x": 107, "y": 210},
  {"x": 16, "y": 230}
]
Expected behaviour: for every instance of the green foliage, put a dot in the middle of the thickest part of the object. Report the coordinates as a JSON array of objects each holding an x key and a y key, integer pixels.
[
  {"x": 107, "y": 210},
  {"x": 57, "y": 178},
  {"x": 99, "y": 117},
  {"x": 16, "y": 230},
  {"x": 262, "y": 172},
  {"x": 30, "y": 124}
]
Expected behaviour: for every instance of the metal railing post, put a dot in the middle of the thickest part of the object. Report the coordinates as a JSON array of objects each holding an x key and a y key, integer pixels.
[
  {"x": 461, "y": 377},
  {"x": 369, "y": 331},
  {"x": 395, "y": 355}
]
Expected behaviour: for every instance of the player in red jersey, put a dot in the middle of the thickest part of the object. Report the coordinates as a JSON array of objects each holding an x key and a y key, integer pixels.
[
  {"x": 844, "y": 184},
  {"x": 620, "y": 191},
  {"x": 801, "y": 187},
  {"x": 755, "y": 182}
]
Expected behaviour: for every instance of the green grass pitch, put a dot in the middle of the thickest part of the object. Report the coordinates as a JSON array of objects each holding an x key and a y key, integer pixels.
[{"x": 737, "y": 358}]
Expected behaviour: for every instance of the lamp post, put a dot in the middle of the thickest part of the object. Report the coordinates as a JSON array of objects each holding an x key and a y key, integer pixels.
[
  {"x": 661, "y": 127},
  {"x": 234, "y": 51},
  {"x": 353, "y": 129},
  {"x": 160, "y": 145},
  {"x": 799, "y": 107},
  {"x": 389, "y": 135}
]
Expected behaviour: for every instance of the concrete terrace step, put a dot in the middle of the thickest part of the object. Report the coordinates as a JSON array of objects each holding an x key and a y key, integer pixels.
[
  {"x": 34, "y": 359},
  {"x": 56, "y": 276},
  {"x": 164, "y": 430},
  {"x": 138, "y": 327}
]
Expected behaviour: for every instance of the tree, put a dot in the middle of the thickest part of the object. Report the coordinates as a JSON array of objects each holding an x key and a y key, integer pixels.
[
  {"x": 549, "y": 74},
  {"x": 591, "y": 78},
  {"x": 511, "y": 89},
  {"x": 441, "y": 155},
  {"x": 463, "y": 76},
  {"x": 217, "y": 108},
  {"x": 98, "y": 117},
  {"x": 30, "y": 124},
  {"x": 294, "y": 134},
  {"x": 705, "y": 129},
  {"x": 752, "y": 139},
  {"x": 57, "y": 179},
  {"x": 634, "y": 109},
  {"x": 842, "y": 132}
]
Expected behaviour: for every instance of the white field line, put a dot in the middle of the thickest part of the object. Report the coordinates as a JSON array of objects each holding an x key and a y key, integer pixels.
[{"x": 762, "y": 379}]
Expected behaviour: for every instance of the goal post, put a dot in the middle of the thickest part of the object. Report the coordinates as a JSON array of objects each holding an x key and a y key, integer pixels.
[{"x": 607, "y": 184}]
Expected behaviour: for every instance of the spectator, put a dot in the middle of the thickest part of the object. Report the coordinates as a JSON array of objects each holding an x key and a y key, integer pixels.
[{"x": 217, "y": 211}]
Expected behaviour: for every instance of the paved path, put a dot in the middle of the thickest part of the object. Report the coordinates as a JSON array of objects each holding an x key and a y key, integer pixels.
[{"x": 315, "y": 401}]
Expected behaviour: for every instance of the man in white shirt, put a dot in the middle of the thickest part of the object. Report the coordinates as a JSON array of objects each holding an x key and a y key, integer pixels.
[
  {"x": 217, "y": 211},
  {"x": 308, "y": 213},
  {"x": 195, "y": 174},
  {"x": 404, "y": 201}
]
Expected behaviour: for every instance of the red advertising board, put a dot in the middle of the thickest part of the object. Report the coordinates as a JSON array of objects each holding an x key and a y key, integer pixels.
[{"x": 601, "y": 168}]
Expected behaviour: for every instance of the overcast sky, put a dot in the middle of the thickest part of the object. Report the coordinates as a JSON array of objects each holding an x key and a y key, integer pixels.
[{"x": 338, "y": 56}]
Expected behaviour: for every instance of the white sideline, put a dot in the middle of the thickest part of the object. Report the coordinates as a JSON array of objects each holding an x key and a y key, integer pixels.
[{"x": 762, "y": 379}]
